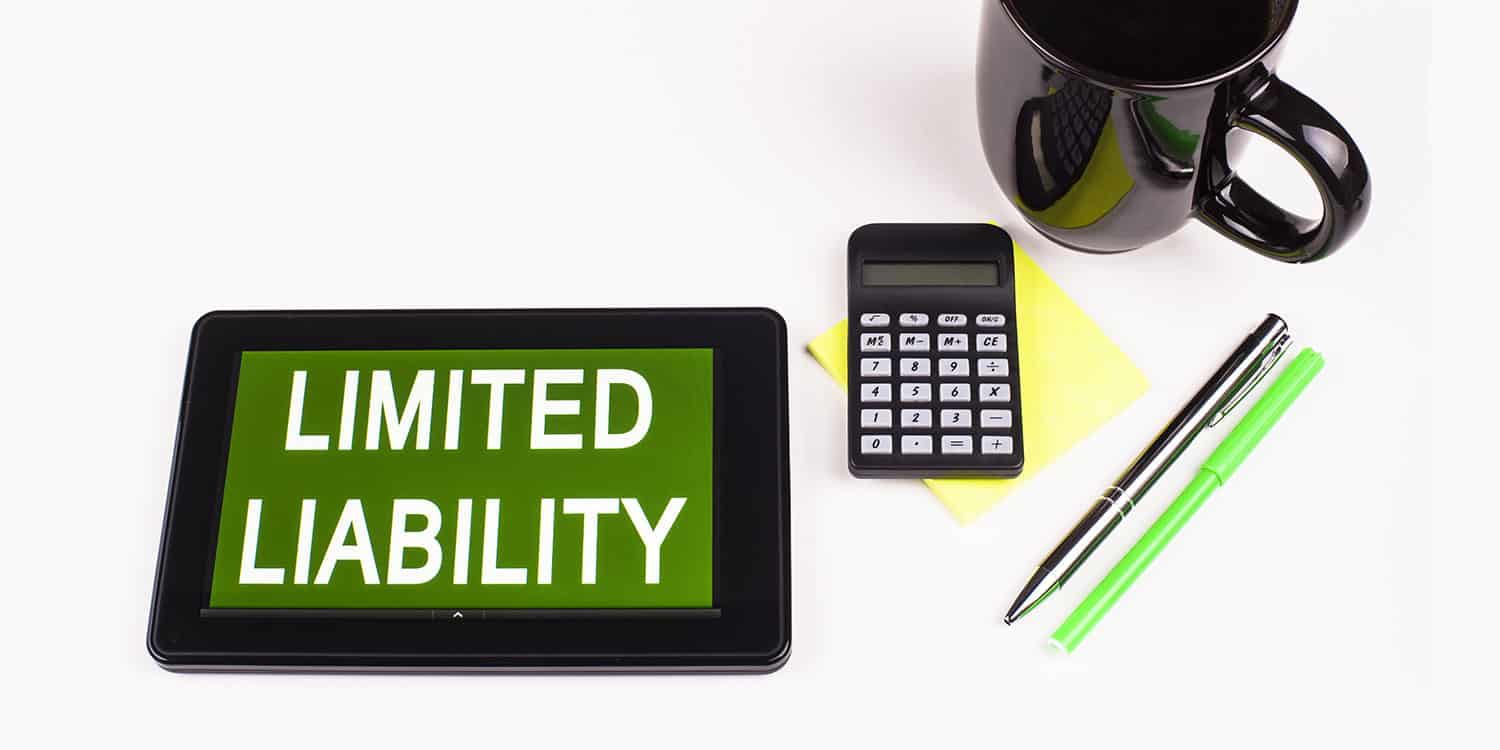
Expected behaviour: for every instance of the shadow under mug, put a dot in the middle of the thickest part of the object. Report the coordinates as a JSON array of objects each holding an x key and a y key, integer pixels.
[{"x": 1103, "y": 163}]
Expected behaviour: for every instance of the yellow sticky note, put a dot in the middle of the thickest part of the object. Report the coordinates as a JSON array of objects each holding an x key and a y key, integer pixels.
[{"x": 1073, "y": 380}]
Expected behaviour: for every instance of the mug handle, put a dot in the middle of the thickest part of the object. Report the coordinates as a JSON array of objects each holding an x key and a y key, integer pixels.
[{"x": 1298, "y": 124}]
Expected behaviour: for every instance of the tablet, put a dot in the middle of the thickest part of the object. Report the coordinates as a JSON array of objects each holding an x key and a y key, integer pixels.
[{"x": 514, "y": 490}]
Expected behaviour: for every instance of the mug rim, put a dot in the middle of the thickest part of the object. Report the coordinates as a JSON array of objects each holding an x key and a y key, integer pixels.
[{"x": 1079, "y": 70}]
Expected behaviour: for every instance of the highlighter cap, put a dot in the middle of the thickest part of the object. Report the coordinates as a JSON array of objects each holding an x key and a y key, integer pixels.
[{"x": 1264, "y": 415}]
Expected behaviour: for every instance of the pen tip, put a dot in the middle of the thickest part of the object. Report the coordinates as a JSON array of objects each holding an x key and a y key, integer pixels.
[{"x": 1042, "y": 584}]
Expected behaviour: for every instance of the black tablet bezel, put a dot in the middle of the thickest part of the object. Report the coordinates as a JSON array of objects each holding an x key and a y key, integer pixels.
[{"x": 752, "y": 629}]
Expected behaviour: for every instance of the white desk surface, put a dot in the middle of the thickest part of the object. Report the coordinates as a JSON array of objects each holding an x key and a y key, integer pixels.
[{"x": 173, "y": 158}]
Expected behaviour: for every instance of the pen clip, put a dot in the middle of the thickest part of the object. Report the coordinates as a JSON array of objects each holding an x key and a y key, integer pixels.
[{"x": 1269, "y": 361}]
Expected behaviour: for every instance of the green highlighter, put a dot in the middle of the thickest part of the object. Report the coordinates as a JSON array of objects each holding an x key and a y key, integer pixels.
[{"x": 1214, "y": 473}]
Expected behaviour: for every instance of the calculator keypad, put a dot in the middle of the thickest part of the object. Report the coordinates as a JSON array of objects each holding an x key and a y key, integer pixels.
[{"x": 948, "y": 391}]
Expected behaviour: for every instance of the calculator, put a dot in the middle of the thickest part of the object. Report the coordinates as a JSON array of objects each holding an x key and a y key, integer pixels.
[{"x": 934, "y": 387}]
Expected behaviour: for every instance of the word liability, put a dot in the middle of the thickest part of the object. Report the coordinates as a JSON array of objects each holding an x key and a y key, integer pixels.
[{"x": 350, "y": 542}]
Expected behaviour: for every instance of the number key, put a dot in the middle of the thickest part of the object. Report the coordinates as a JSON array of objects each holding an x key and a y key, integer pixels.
[
  {"x": 915, "y": 368},
  {"x": 955, "y": 392},
  {"x": 953, "y": 368},
  {"x": 874, "y": 368},
  {"x": 957, "y": 419}
]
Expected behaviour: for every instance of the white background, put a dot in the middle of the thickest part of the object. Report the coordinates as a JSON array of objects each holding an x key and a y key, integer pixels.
[{"x": 160, "y": 159}]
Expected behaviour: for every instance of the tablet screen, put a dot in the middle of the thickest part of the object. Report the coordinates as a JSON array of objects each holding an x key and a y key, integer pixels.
[{"x": 469, "y": 479}]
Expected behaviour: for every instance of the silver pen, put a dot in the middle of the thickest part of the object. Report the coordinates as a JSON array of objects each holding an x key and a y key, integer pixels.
[{"x": 1229, "y": 385}]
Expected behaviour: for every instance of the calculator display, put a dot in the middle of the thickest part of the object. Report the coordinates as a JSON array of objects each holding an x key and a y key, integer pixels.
[
  {"x": 469, "y": 479},
  {"x": 931, "y": 274}
]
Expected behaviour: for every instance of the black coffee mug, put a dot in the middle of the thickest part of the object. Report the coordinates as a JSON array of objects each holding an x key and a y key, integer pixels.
[{"x": 1111, "y": 123}]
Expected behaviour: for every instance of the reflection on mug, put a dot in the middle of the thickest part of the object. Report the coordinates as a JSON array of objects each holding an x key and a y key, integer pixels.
[
  {"x": 1069, "y": 172},
  {"x": 1170, "y": 151}
]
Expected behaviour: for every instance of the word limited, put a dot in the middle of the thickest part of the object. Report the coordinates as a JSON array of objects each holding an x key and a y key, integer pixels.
[{"x": 396, "y": 421}]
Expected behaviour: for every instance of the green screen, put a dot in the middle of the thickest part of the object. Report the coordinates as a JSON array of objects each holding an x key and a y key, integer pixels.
[{"x": 466, "y": 479}]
